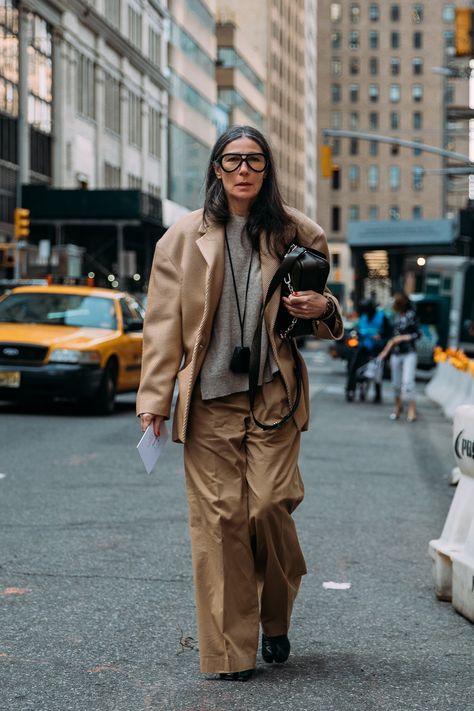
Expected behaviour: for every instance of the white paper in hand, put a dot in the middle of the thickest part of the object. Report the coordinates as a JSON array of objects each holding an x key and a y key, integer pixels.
[{"x": 151, "y": 447}]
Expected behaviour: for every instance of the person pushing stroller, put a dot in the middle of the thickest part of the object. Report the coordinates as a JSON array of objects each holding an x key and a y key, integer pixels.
[{"x": 374, "y": 331}]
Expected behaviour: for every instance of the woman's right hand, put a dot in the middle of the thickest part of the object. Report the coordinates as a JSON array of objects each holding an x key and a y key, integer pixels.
[{"x": 146, "y": 418}]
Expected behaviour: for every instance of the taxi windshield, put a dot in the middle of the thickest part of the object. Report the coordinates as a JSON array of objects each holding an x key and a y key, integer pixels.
[{"x": 59, "y": 310}]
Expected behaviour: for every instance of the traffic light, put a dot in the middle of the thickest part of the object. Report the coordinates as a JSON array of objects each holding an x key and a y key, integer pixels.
[
  {"x": 464, "y": 43},
  {"x": 22, "y": 222},
  {"x": 325, "y": 160}
]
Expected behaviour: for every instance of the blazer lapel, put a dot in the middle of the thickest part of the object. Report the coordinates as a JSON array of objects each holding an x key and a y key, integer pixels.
[
  {"x": 269, "y": 264},
  {"x": 211, "y": 245}
]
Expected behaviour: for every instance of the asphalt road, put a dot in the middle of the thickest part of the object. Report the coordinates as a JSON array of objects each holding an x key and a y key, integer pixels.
[{"x": 96, "y": 601}]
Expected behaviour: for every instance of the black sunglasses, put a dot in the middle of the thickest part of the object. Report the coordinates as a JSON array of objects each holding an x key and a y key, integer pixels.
[{"x": 229, "y": 162}]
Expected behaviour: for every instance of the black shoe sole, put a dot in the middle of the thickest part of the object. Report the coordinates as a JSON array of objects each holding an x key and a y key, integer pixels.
[{"x": 237, "y": 676}]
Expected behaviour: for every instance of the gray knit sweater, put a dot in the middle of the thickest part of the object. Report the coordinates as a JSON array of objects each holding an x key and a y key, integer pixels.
[{"x": 217, "y": 380}]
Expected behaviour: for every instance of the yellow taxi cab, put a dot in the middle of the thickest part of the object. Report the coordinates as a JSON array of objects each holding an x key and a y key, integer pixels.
[{"x": 69, "y": 342}]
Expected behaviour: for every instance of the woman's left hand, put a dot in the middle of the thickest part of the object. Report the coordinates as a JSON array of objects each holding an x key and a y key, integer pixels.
[{"x": 305, "y": 304}]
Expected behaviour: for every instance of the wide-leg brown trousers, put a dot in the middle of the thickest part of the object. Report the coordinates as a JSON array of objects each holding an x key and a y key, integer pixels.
[{"x": 243, "y": 484}]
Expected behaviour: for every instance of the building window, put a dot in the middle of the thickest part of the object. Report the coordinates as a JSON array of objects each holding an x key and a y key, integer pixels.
[
  {"x": 417, "y": 212},
  {"x": 394, "y": 66},
  {"x": 417, "y": 177},
  {"x": 354, "y": 93},
  {"x": 336, "y": 40},
  {"x": 394, "y": 120},
  {"x": 450, "y": 93},
  {"x": 417, "y": 13},
  {"x": 112, "y": 12},
  {"x": 394, "y": 177},
  {"x": 336, "y": 67},
  {"x": 395, "y": 40},
  {"x": 395, "y": 12},
  {"x": 112, "y": 176},
  {"x": 373, "y": 39},
  {"x": 373, "y": 93},
  {"x": 335, "y": 119},
  {"x": 134, "y": 27},
  {"x": 355, "y": 12},
  {"x": 373, "y": 119},
  {"x": 335, "y": 218},
  {"x": 449, "y": 12},
  {"x": 354, "y": 39},
  {"x": 373, "y": 212},
  {"x": 353, "y": 147},
  {"x": 336, "y": 12},
  {"x": 373, "y": 66},
  {"x": 449, "y": 39},
  {"x": 336, "y": 260},
  {"x": 354, "y": 177},
  {"x": 373, "y": 177},
  {"x": 134, "y": 182},
  {"x": 154, "y": 46},
  {"x": 85, "y": 86},
  {"x": 417, "y": 120},
  {"x": 335, "y": 93},
  {"x": 417, "y": 65},
  {"x": 394, "y": 93},
  {"x": 417, "y": 40},
  {"x": 374, "y": 12},
  {"x": 353, "y": 213},
  {"x": 417, "y": 151},
  {"x": 417, "y": 92},
  {"x": 336, "y": 147},
  {"x": 354, "y": 65},
  {"x": 394, "y": 212},
  {"x": 354, "y": 120},
  {"x": 154, "y": 132},
  {"x": 135, "y": 133},
  {"x": 373, "y": 148},
  {"x": 39, "y": 81},
  {"x": 112, "y": 103},
  {"x": 336, "y": 179}
]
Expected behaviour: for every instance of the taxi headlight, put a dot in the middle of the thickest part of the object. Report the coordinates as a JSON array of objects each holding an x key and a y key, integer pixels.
[{"x": 66, "y": 355}]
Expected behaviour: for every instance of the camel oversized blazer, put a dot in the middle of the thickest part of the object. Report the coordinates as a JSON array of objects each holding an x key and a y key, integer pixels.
[{"x": 185, "y": 287}]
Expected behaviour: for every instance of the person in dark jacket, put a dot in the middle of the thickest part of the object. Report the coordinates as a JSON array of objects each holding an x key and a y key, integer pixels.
[{"x": 403, "y": 356}]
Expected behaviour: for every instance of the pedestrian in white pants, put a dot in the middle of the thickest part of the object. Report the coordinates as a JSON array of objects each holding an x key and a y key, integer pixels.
[{"x": 403, "y": 356}]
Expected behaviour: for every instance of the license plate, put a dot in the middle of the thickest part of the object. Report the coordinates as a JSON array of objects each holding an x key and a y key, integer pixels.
[{"x": 10, "y": 379}]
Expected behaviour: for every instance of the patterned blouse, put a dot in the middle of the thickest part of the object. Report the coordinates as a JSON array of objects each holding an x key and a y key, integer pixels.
[{"x": 406, "y": 325}]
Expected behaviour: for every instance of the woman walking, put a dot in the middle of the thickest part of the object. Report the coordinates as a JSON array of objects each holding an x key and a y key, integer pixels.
[
  {"x": 403, "y": 358},
  {"x": 209, "y": 276}
]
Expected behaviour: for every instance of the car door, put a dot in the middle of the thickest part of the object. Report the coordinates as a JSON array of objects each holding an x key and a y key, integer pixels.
[{"x": 132, "y": 342}]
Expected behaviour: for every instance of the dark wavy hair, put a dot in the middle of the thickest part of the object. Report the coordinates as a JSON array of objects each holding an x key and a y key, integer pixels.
[
  {"x": 267, "y": 211},
  {"x": 401, "y": 302}
]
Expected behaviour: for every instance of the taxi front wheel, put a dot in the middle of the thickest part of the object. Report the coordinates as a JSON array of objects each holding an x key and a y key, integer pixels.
[{"x": 104, "y": 401}]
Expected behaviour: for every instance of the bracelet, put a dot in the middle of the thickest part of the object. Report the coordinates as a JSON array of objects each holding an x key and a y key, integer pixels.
[{"x": 329, "y": 311}]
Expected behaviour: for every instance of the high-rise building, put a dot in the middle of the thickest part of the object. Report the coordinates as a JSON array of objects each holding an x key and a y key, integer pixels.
[
  {"x": 275, "y": 30},
  {"x": 240, "y": 75},
  {"x": 382, "y": 69},
  {"x": 193, "y": 112}
]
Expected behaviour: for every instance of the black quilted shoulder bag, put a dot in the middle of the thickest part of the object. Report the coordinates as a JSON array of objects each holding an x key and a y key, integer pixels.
[{"x": 302, "y": 269}]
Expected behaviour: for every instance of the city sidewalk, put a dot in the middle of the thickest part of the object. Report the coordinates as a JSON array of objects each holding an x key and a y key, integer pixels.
[{"x": 96, "y": 592}]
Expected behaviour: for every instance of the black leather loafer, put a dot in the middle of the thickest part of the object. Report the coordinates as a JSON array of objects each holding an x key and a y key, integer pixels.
[
  {"x": 275, "y": 649},
  {"x": 237, "y": 676}
]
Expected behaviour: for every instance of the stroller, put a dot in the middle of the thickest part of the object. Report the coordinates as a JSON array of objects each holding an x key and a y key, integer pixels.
[{"x": 370, "y": 372}]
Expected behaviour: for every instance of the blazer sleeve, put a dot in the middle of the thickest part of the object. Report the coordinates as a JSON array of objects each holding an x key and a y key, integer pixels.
[
  {"x": 333, "y": 328},
  {"x": 162, "y": 337}
]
